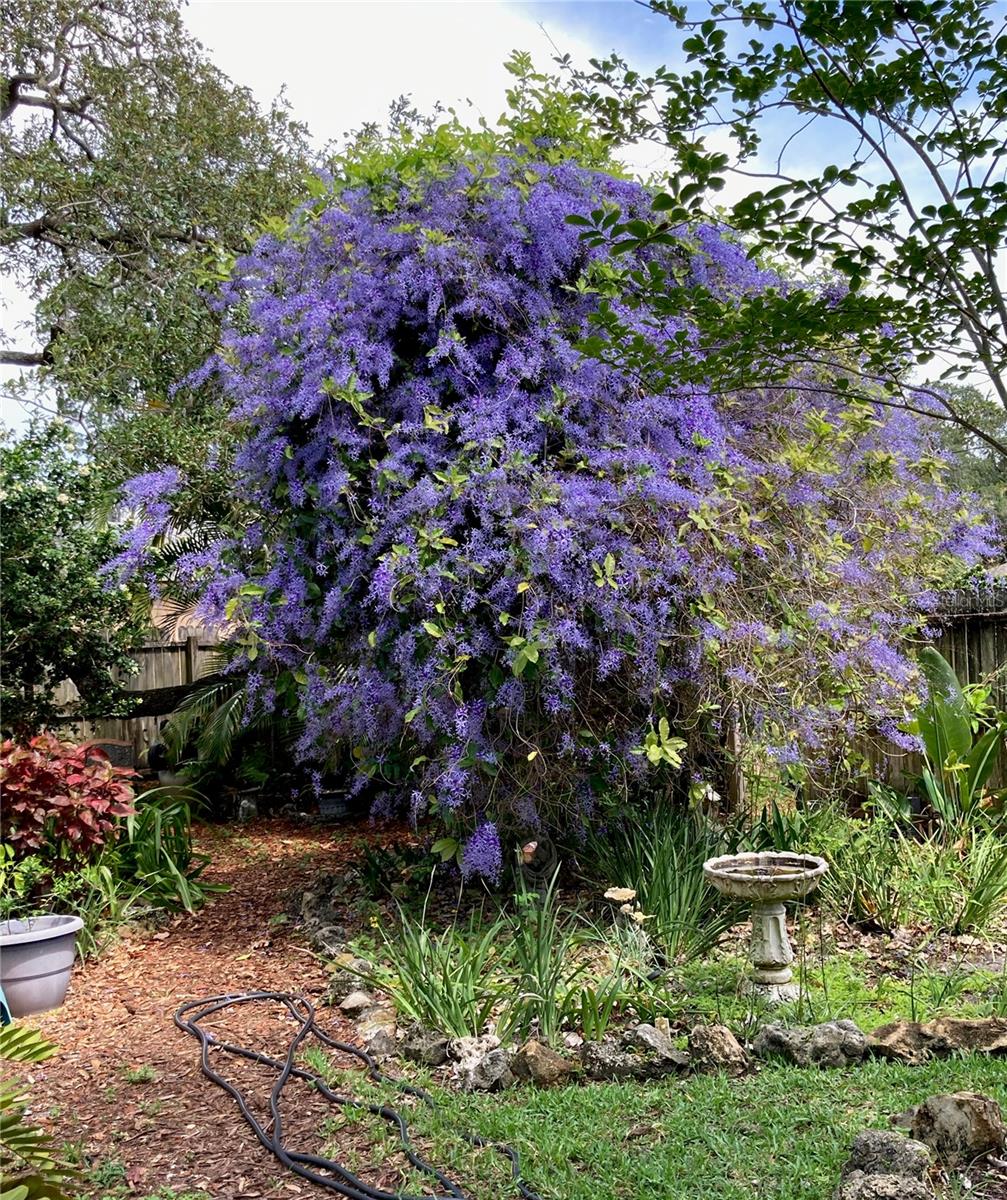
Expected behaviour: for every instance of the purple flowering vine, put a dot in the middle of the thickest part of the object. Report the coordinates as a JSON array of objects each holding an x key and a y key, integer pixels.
[{"x": 492, "y": 563}]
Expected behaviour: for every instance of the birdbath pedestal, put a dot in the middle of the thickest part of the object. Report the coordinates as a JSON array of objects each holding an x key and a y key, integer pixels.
[{"x": 768, "y": 880}]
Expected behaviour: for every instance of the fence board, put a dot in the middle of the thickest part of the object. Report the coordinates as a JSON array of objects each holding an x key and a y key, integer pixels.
[{"x": 161, "y": 665}]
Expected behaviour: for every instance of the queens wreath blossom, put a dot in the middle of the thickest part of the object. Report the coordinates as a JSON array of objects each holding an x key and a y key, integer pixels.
[{"x": 494, "y": 569}]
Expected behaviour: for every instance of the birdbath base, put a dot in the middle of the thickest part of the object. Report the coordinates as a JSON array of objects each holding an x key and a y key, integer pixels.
[
  {"x": 772, "y": 994},
  {"x": 772, "y": 954}
]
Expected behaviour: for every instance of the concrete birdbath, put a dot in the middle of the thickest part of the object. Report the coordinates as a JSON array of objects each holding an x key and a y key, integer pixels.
[{"x": 767, "y": 880}]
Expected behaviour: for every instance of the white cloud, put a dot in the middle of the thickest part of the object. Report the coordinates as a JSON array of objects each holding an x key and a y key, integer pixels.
[{"x": 343, "y": 63}]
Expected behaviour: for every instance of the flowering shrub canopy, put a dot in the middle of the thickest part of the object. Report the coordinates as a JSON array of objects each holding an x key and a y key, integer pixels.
[{"x": 506, "y": 574}]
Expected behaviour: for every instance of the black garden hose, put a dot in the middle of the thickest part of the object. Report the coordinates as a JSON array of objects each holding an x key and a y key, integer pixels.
[{"x": 338, "y": 1179}]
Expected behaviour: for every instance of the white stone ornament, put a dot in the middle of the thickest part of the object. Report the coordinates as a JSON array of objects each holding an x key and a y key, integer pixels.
[{"x": 768, "y": 879}]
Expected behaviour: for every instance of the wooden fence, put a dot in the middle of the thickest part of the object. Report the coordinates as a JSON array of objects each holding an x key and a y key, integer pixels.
[
  {"x": 973, "y": 639},
  {"x": 163, "y": 665}
]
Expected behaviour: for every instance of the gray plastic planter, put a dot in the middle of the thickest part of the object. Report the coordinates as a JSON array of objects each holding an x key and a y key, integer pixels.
[{"x": 36, "y": 958}]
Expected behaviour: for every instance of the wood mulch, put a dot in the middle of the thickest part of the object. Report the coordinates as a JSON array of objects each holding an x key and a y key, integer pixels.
[{"x": 177, "y": 1130}]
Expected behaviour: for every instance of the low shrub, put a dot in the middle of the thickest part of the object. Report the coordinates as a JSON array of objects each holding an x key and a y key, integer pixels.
[
  {"x": 61, "y": 800},
  {"x": 76, "y": 841},
  {"x": 541, "y": 952},
  {"x": 448, "y": 980},
  {"x": 156, "y": 851}
]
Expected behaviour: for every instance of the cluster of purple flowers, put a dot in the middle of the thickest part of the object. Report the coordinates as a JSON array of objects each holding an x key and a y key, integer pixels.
[{"x": 493, "y": 563}]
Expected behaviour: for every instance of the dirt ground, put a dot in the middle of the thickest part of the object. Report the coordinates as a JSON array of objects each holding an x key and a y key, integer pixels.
[{"x": 126, "y": 1094}]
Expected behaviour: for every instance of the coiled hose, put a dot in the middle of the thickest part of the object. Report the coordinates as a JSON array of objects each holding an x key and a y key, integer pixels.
[{"x": 337, "y": 1178}]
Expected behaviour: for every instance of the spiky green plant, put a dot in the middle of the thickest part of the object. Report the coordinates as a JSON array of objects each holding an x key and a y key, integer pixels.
[{"x": 29, "y": 1167}]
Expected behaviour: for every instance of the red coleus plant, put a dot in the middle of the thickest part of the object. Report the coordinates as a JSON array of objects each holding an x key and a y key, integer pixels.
[{"x": 60, "y": 799}]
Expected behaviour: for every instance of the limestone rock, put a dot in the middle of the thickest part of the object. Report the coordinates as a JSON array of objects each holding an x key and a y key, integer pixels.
[
  {"x": 380, "y": 1018},
  {"x": 859, "y": 1186},
  {"x": 426, "y": 1046},
  {"x": 356, "y": 1003},
  {"x": 882, "y": 1152},
  {"x": 906, "y": 1042},
  {"x": 960, "y": 1127},
  {"x": 649, "y": 1038},
  {"x": 481, "y": 1064},
  {"x": 606, "y": 1060},
  {"x": 715, "y": 1048},
  {"x": 913, "y": 1043},
  {"x": 832, "y": 1044},
  {"x": 461, "y": 1048},
  {"x": 541, "y": 1064},
  {"x": 346, "y": 978},
  {"x": 489, "y": 1073},
  {"x": 381, "y": 1043},
  {"x": 983, "y": 1035},
  {"x": 329, "y": 940}
]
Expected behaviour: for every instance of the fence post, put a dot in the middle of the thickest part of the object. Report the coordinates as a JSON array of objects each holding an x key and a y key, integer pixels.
[{"x": 191, "y": 650}]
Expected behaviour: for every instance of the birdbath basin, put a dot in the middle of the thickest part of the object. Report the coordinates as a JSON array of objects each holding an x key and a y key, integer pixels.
[{"x": 767, "y": 880}]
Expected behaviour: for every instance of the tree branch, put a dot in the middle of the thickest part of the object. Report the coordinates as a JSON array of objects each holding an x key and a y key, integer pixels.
[{"x": 26, "y": 358}]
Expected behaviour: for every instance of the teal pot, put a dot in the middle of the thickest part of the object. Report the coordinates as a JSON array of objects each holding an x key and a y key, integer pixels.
[{"x": 36, "y": 958}]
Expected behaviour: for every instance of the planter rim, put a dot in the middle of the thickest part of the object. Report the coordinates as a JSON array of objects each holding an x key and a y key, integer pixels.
[{"x": 16, "y": 932}]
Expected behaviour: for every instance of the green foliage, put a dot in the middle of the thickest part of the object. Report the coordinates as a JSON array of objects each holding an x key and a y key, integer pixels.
[
  {"x": 961, "y": 885},
  {"x": 911, "y": 217},
  {"x": 542, "y": 121},
  {"x": 976, "y": 466},
  {"x": 29, "y": 1166},
  {"x": 133, "y": 170},
  {"x": 659, "y": 853},
  {"x": 74, "y": 627},
  {"x": 446, "y": 980},
  {"x": 865, "y": 881},
  {"x": 156, "y": 852},
  {"x": 959, "y": 765},
  {"x": 150, "y": 867},
  {"x": 540, "y": 953}
]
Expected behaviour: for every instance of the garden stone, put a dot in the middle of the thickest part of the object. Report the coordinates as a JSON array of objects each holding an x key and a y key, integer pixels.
[
  {"x": 913, "y": 1043},
  {"x": 248, "y": 810},
  {"x": 329, "y": 939},
  {"x": 881, "y": 1152},
  {"x": 606, "y": 1060},
  {"x": 832, "y": 1044},
  {"x": 960, "y": 1127},
  {"x": 982, "y": 1035},
  {"x": 480, "y": 1063},
  {"x": 461, "y": 1048},
  {"x": 427, "y": 1047},
  {"x": 859, "y": 1186},
  {"x": 540, "y": 1064},
  {"x": 489, "y": 1072},
  {"x": 381, "y": 1043},
  {"x": 345, "y": 980},
  {"x": 646, "y": 1037},
  {"x": 906, "y": 1042},
  {"x": 715, "y": 1048},
  {"x": 357, "y": 1003},
  {"x": 380, "y": 1018}
]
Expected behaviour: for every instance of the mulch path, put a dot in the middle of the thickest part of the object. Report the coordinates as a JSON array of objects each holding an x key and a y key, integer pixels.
[{"x": 177, "y": 1130}]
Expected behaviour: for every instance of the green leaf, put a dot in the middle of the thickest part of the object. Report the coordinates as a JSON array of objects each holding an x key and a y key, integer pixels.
[{"x": 944, "y": 719}]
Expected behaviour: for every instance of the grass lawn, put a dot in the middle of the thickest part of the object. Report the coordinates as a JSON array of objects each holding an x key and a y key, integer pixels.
[{"x": 780, "y": 1135}]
